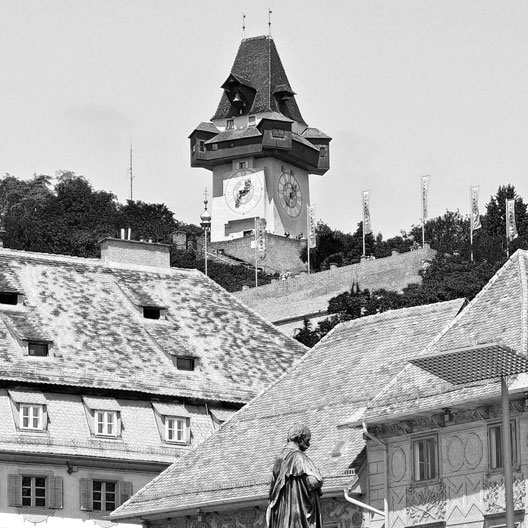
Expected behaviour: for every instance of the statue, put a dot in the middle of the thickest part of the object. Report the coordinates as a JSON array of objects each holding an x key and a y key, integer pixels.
[{"x": 295, "y": 490}]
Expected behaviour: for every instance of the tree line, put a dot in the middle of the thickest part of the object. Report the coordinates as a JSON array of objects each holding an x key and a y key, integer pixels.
[{"x": 451, "y": 275}]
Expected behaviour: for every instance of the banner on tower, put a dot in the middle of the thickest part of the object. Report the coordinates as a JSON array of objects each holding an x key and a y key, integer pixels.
[
  {"x": 312, "y": 239},
  {"x": 425, "y": 189},
  {"x": 260, "y": 234},
  {"x": 475, "y": 216},
  {"x": 511, "y": 226},
  {"x": 367, "y": 227}
]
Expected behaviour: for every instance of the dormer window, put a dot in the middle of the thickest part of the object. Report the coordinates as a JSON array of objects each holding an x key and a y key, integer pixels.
[
  {"x": 31, "y": 417},
  {"x": 151, "y": 312},
  {"x": 175, "y": 429},
  {"x": 9, "y": 298},
  {"x": 230, "y": 124},
  {"x": 37, "y": 349},
  {"x": 185, "y": 363},
  {"x": 106, "y": 423},
  {"x": 174, "y": 422},
  {"x": 252, "y": 120},
  {"x": 103, "y": 416}
]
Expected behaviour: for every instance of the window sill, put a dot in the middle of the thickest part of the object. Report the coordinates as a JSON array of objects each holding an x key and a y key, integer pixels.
[{"x": 424, "y": 483}]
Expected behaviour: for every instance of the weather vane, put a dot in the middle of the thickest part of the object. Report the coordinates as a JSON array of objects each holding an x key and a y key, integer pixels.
[{"x": 269, "y": 21}]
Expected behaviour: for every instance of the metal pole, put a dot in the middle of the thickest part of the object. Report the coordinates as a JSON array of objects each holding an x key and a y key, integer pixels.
[
  {"x": 256, "y": 269},
  {"x": 471, "y": 223},
  {"x": 507, "y": 454},
  {"x": 308, "y": 223},
  {"x": 205, "y": 234}
]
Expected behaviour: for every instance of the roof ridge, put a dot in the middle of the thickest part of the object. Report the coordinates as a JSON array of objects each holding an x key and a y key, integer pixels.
[{"x": 524, "y": 300}]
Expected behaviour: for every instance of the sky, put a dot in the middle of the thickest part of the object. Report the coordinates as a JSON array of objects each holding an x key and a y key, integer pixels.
[{"x": 405, "y": 88}]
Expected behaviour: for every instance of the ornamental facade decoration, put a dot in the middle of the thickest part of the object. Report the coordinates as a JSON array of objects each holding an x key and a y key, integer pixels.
[
  {"x": 494, "y": 496},
  {"x": 426, "y": 504}
]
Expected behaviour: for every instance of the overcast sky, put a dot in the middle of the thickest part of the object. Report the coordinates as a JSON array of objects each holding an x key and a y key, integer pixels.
[{"x": 405, "y": 88}]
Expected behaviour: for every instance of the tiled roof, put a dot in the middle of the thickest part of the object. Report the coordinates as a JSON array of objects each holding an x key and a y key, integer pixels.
[
  {"x": 68, "y": 432},
  {"x": 259, "y": 64},
  {"x": 235, "y": 133},
  {"x": 332, "y": 382},
  {"x": 205, "y": 126},
  {"x": 314, "y": 133},
  {"x": 499, "y": 313},
  {"x": 100, "y": 338}
]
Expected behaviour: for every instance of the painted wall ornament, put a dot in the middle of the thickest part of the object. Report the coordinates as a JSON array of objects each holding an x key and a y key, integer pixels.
[
  {"x": 426, "y": 504},
  {"x": 494, "y": 498}
]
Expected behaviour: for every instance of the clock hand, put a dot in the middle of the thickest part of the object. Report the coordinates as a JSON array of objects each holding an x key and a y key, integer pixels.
[{"x": 243, "y": 192}]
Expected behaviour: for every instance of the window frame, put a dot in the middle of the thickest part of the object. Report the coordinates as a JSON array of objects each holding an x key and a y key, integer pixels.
[
  {"x": 31, "y": 417},
  {"x": 6, "y": 298},
  {"x": 105, "y": 423},
  {"x": 52, "y": 497},
  {"x": 179, "y": 360},
  {"x": 167, "y": 429},
  {"x": 35, "y": 343},
  {"x": 433, "y": 462},
  {"x": 230, "y": 124},
  {"x": 514, "y": 428},
  {"x": 123, "y": 492}
]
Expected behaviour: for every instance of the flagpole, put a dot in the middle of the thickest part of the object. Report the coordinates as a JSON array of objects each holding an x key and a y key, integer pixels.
[
  {"x": 363, "y": 208},
  {"x": 309, "y": 234},
  {"x": 507, "y": 230},
  {"x": 471, "y": 222},
  {"x": 423, "y": 215},
  {"x": 256, "y": 269}
]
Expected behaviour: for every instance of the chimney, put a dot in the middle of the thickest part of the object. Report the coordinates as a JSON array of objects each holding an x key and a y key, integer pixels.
[
  {"x": 134, "y": 252},
  {"x": 2, "y": 235}
]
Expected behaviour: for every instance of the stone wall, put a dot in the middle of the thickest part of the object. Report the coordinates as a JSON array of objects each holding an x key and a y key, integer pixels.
[
  {"x": 282, "y": 254},
  {"x": 287, "y": 302}
]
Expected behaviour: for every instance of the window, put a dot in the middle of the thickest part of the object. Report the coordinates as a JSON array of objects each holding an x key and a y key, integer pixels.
[
  {"x": 8, "y": 298},
  {"x": 34, "y": 491},
  {"x": 106, "y": 423},
  {"x": 278, "y": 133},
  {"x": 322, "y": 152},
  {"x": 104, "y": 494},
  {"x": 242, "y": 164},
  {"x": 175, "y": 429},
  {"x": 31, "y": 417},
  {"x": 495, "y": 456},
  {"x": 185, "y": 363},
  {"x": 252, "y": 120},
  {"x": 214, "y": 146},
  {"x": 202, "y": 145},
  {"x": 230, "y": 124},
  {"x": 424, "y": 459},
  {"x": 37, "y": 349},
  {"x": 151, "y": 312}
]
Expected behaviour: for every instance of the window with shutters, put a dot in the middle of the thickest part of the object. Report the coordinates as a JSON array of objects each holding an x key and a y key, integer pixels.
[
  {"x": 102, "y": 495},
  {"x": 35, "y": 491}
]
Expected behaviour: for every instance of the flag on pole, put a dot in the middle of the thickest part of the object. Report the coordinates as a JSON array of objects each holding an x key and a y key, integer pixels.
[
  {"x": 511, "y": 227},
  {"x": 260, "y": 234},
  {"x": 312, "y": 239},
  {"x": 367, "y": 228},
  {"x": 475, "y": 216},
  {"x": 425, "y": 188}
]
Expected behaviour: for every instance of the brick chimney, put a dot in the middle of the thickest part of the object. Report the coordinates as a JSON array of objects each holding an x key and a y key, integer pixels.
[{"x": 121, "y": 251}]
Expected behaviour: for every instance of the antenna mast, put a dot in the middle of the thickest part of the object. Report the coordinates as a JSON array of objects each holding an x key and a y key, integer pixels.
[{"x": 131, "y": 174}]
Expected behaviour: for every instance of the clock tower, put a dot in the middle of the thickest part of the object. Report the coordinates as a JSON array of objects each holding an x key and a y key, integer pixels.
[{"x": 259, "y": 148}]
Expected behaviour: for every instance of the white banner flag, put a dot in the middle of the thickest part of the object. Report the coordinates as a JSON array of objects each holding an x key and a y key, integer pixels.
[
  {"x": 475, "y": 216},
  {"x": 425, "y": 188},
  {"x": 367, "y": 228},
  {"x": 260, "y": 234},
  {"x": 511, "y": 226},
  {"x": 312, "y": 239}
]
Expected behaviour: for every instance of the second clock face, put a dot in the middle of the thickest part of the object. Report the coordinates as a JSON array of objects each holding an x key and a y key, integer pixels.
[
  {"x": 242, "y": 191},
  {"x": 290, "y": 194}
]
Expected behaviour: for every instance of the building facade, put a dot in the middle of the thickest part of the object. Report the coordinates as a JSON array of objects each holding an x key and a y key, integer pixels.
[{"x": 112, "y": 369}]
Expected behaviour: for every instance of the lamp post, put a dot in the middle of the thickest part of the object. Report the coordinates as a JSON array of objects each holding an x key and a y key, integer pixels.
[{"x": 205, "y": 218}]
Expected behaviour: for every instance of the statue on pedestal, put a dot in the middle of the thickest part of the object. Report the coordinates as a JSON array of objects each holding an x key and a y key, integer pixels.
[{"x": 295, "y": 490}]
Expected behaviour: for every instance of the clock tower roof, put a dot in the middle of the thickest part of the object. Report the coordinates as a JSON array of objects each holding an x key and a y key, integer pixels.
[{"x": 258, "y": 83}]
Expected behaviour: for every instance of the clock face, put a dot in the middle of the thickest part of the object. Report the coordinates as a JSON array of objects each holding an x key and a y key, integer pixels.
[
  {"x": 243, "y": 191},
  {"x": 290, "y": 194}
]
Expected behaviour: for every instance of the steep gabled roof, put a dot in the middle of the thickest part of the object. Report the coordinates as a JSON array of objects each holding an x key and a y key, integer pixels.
[
  {"x": 91, "y": 313},
  {"x": 333, "y": 381},
  {"x": 258, "y": 65},
  {"x": 498, "y": 314}
]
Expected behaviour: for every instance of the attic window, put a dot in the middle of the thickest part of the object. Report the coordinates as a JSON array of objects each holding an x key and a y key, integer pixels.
[
  {"x": 185, "y": 363},
  {"x": 151, "y": 312},
  {"x": 8, "y": 298},
  {"x": 37, "y": 349},
  {"x": 322, "y": 152},
  {"x": 252, "y": 120},
  {"x": 230, "y": 125},
  {"x": 202, "y": 145}
]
